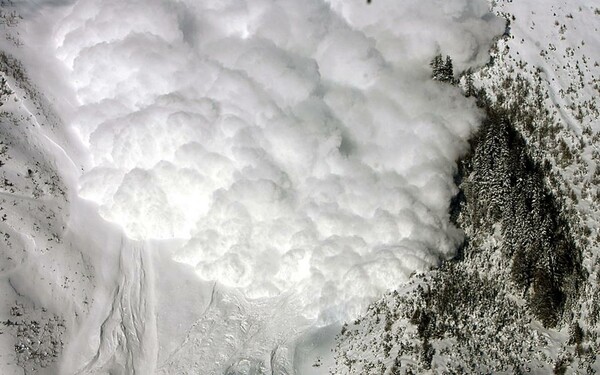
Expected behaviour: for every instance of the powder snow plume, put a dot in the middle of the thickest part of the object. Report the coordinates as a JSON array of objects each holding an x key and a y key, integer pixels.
[
  {"x": 291, "y": 148},
  {"x": 294, "y": 146}
]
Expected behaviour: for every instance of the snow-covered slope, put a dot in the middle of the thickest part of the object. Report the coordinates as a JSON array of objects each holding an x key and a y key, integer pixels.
[
  {"x": 51, "y": 273},
  {"x": 44, "y": 279},
  {"x": 478, "y": 313}
]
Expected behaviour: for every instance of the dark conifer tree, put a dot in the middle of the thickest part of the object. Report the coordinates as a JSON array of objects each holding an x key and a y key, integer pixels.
[{"x": 442, "y": 70}]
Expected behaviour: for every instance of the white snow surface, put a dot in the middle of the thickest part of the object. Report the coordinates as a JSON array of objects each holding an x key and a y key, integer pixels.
[{"x": 295, "y": 154}]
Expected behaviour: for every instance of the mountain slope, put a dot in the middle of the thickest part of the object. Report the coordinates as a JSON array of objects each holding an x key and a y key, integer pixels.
[{"x": 521, "y": 295}]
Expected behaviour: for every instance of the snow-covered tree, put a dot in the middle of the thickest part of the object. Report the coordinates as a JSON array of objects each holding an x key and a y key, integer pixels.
[{"x": 442, "y": 69}]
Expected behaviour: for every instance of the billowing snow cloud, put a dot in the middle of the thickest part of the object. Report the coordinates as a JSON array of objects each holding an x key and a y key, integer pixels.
[{"x": 296, "y": 146}]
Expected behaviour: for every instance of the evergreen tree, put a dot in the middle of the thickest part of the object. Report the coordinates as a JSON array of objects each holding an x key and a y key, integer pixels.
[
  {"x": 436, "y": 67},
  {"x": 469, "y": 88},
  {"x": 449, "y": 70},
  {"x": 442, "y": 70}
]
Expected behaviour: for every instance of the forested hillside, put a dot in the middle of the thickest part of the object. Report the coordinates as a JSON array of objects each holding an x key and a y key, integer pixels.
[{"x": 520, "y": 295}]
